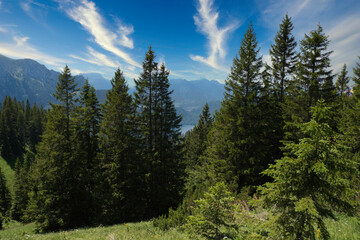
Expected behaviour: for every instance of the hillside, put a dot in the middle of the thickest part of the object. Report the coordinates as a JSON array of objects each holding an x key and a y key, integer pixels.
[{"x": 28, "y": 79}]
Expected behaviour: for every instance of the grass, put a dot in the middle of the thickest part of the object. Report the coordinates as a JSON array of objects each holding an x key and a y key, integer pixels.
[
  {"x": 345, "y": 228},
  {"x": 9, "y": 174},
  {"x": 141, "y": 230}
]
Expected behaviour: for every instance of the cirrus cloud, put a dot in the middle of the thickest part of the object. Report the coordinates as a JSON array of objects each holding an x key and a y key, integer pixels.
[{"x": 206, "y": 21}]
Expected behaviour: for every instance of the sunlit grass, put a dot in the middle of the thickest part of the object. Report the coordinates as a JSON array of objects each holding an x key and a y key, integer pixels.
[
  {"x": 9, "y": 174},
  {"x": 141, "y": 230}
]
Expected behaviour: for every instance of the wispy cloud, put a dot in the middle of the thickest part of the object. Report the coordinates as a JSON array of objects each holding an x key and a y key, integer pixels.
[
  {"x": 36, "y": 11},
  {"x": 345, "y": 39},
  {"x": 206, "y": 21},
  {"x": 86, "y": 13},
  {"x": 20, "y": 48},
  {"x": 97, "y": 58}
]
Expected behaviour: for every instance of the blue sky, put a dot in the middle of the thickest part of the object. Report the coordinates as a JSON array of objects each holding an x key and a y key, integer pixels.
[{"x": 195, "y": 38}]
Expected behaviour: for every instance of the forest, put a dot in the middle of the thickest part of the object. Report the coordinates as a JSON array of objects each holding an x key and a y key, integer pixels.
[{"x": 279, "y": 158}]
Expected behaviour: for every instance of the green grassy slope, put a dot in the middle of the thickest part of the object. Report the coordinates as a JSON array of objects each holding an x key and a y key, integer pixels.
[
  {"x": 345, "y": 228},
  {"x": 141, "y": 230},
  {"x": 9, "y": 174}
]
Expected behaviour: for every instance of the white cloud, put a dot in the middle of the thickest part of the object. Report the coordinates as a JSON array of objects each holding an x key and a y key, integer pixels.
[
  {"x": 36, "y": 11},
  {"x": 88, "y": 16},
  {"x": 3, "y": 30},
  {"x": 206, "y": 21},
  {"x": 97, "y": 58},
  {"x": 345, "y": 42},
  {"x": 20, "y": 48}
]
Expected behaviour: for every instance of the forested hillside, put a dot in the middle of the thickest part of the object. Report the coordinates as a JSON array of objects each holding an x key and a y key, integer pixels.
[{"x": 279, "y": 160}]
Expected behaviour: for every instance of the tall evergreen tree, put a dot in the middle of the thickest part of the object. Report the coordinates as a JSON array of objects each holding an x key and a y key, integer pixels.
[
  {"x": 158, "y": 124},
  {"x": 196, "y": 139},
  {"x": 356, "y": 79},
  {"x": 123, "y": 186},
  {"x": 313, "y": 71},
  {"x": 21, "y": 187},
  {"x": 56, "y": 200},
  {"x": 233, "y": 151},
  {"x": 167, "y": 169},
  {"x": 342, "y": 83},
  {"x": 313, "y": 81},
  {"x": 283, "y": 56}
]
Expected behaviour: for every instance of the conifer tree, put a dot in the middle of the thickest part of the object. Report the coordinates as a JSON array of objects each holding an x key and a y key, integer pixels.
[
  {"x": 56, "y": 200},
  {"x": 167, "y": 169},
  {"x": 342, "y": 83},
  {"x": 196, "y": 139},
  {"x": 235, "y": 138},
  {"x": 158, "y": 123},
  {"x": 283, "y": 56},
  {"x": 313, "y": 74},
  {"x": 310, "y": 182},
  {"x": 356, "y": 79},
  {"x": 21, "y": 187},
  {"x": 122, "y": 184}
]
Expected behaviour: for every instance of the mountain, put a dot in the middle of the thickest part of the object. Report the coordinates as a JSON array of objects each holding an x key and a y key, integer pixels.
[
  {"x": 97, "y": 80},
  {"x": 189, "y": 97},
  {"x": 28, "y": 79}
]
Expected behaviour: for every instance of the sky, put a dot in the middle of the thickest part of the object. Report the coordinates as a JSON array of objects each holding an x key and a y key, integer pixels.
[{"x": 195, "y": 39}]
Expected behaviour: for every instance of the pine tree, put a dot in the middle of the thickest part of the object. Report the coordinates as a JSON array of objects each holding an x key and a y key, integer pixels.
[
  {"x": 158, "y": 124},
  {"x": 234, "y": 140},
  {"x": 167, "y": 169},
  {"x": 123, "y": 186},
  {"x": 356, "y": 79},
  {"x": 283, "y": 56},
  {"x": 196, "y": 139},
  {"x": 342, "y": 82},
  {"x": 313, "y": 72},
  {"x": 56, "y": 199},
  {"x": 310, "y": 182},
  {"x": 312, "y": 82},
  {"x": 21, "y": 187}
]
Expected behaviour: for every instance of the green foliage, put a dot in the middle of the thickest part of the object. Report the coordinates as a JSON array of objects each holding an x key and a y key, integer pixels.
[
  {"x": 58, "y": 190},
  {"x": 283, "y": 56},
  {"x": 119, "y": 193},
  {"x": 214, "y": 215},
  {"x": 5, "y": 197},
  {"x": 342, "y": 82},
  {"x": 160, "y": 143},
  {"x": 311, "y": 181}
]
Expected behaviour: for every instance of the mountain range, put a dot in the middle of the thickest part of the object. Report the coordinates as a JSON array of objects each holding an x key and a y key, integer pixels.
[{"x": 28, "y": 79}]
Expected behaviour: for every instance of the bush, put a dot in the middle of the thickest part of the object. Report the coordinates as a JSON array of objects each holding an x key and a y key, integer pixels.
[{"x": 214, "y": 216}]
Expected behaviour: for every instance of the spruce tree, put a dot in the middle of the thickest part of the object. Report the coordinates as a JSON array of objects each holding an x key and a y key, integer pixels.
[
  {"x": 313, "y": 73},
  {"x": 158, "y": 124},
  {"x": 235, "y": 138},
  {"x": 56, "y": 200},
  {"x": 21, "y": 187},
  {"x": 167, "y": 169},
  {"x": 311, "y": 181},
  {"x": 312, "y": 82},
  {"x": 283, "y": 56},
  {"x": 356, "y": 79},
  {"x": 196, "y": 139},
  {"x": 342, "y": 83},
  {"x": 122, "y": 183}
]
